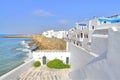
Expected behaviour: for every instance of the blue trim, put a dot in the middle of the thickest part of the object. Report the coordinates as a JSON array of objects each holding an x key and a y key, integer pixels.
[
  {"x": 82, "y": 24},
  {"x": 110, "y": 20}
]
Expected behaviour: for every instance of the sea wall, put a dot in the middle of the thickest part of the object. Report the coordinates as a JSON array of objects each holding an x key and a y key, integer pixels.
[{"x": 15, "y": 73}]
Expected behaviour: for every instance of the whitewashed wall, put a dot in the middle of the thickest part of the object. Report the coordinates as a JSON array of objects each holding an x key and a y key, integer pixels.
[
  {"x": 104, "y": 67},
  {"x": 99, "y": 45},
  {"x": 50, "y": 55},
  {"x": 113, "y": 56},
  {"x": 79, "y": 57}
]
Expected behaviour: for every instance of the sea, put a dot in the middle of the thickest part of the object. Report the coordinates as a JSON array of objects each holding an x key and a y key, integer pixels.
[{"x": 13, "y": 52}]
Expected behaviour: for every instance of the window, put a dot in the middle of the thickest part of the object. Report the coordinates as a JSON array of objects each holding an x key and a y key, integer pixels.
[
  {"x": 67, "y": 35},
  {"x": 85, "y": 35},
  {"x": 81, "y": 35},
  {"x": 92, "y": 27},
  {"x": 67, "y": 60},
  {"x": 78, "y": 36},
  {"x": 104, "y": 22}
]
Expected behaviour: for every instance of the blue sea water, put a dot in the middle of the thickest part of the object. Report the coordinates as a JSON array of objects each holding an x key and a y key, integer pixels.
[{"x": 11, "y": 53}]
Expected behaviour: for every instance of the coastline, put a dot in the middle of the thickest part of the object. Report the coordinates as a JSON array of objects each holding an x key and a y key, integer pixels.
[
  {"x": 21, "y": 53},
  {"x": 18, "y": 36},
  {"x": 14, "y": 73}
]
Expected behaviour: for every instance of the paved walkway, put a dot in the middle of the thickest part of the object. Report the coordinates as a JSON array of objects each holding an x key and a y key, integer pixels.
[{"x": 44, "y": 73}]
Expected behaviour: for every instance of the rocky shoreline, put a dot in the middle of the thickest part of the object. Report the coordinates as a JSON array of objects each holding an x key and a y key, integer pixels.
[{"x": 40, "y": 42}]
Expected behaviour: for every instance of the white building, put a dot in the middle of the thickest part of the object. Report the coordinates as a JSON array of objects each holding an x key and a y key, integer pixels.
[
  {"x": 49, "y": 33},
  {"x": 102, "y": 61},
  {"x": 56, "y": 34},
  {"x": 46, "y": 56},
  {"x": 99, "y": 60},
  {"x": 79, "y": 34}
]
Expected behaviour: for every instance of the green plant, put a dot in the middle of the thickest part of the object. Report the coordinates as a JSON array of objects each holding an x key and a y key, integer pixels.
[
  {"x": 37, "y": 63},
  {"x": 66, "y": 65},
  {"x": 57, "y": 64}
]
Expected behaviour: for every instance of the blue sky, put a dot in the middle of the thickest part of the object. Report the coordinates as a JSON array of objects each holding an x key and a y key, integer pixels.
[{"x": 35, "y": 16}]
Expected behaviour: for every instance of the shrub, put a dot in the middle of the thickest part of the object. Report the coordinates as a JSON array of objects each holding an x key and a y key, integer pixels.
[
  {"x": 66, "y": 66},
  {"x": 37, "y": 63},
  {"x": 57, "y": 64}
]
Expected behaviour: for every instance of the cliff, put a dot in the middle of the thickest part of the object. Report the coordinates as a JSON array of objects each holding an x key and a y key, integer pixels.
[{"x": 44, "y": 43}]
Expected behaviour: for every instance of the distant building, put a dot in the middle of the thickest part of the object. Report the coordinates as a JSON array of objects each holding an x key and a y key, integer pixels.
[
  {"x": 56, "y": 34},
  {"x": 49, "y": 33}
]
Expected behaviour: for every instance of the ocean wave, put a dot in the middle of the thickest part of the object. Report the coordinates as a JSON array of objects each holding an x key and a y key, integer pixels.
[
  {"x": 25, "y": 44},
  {"x": 12, "y": 50},
  {"x": 23, "y": 49}
]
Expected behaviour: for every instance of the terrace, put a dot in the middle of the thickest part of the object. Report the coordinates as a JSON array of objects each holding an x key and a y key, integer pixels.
[{"x": 45, "y": 73}]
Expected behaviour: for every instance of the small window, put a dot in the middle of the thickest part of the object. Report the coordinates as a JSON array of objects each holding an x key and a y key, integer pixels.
[
  {"x": 78, "y": 36},
  {"x": 85, "y": 35},
  {"x": 104, "y": 22},
  {"x": 67, "y": 35},
  {"x": 67, "y": 60},
  {"x": 81, "y": 35},
  {"x": 92, "y": 27}
]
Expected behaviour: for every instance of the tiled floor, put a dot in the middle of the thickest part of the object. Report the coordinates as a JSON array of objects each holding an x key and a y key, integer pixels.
[{"x": 44, "y": 73}]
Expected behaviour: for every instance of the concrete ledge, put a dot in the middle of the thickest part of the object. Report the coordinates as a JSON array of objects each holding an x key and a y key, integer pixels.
[{"x": 15, "y": 73}]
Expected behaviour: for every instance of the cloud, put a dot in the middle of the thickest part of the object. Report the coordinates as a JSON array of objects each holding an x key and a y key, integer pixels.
[
  {"x": 43, "y": 13},
  {"x": 63, "y": 21}
]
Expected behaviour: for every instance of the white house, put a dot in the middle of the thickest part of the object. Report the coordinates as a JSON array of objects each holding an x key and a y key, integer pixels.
[
  {"x": 102, "y": 61},
  {"x": 56, "y": 34},
  {"x": 46, "y": 56},
  {"x": 49, "y": 33}
]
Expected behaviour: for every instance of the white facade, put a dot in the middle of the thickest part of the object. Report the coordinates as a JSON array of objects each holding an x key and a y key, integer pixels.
[
  {"x": 56, "y": 34},
  {"x": 50, "y": 55},
  {"x": 79, "y": 35},
  {"x": 101, "y": 62},
  {"x": 49, "y": 33}
]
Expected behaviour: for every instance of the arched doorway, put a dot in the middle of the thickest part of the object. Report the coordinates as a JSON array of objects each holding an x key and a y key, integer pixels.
[{"x": 44, "y": 59}]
